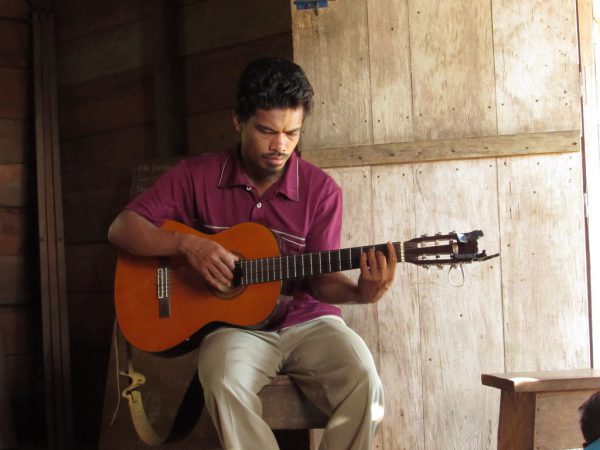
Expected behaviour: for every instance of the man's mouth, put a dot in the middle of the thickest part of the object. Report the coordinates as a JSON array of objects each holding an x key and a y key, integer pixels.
[{"x": 275, "y": 155}]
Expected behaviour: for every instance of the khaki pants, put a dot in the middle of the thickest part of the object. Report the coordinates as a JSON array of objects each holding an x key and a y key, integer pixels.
[{"x": 330, "y": 363}]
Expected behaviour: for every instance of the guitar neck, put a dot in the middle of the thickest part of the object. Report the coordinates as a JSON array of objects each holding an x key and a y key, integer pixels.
[{"x": 292, "y": 267}]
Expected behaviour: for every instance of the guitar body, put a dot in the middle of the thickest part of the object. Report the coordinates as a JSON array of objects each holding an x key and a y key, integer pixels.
[{"x": 193, "y": 306}]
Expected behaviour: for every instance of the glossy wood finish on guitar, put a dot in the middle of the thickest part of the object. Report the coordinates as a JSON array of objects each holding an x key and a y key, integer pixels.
[{"x": 191, "y": 304}]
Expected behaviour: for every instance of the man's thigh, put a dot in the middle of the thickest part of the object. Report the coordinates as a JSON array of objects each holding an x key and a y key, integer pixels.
[{"x": 239, "y": 356}]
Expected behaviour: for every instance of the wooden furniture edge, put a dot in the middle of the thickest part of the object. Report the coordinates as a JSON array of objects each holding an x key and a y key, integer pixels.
[{"x": 546, "y": 381}]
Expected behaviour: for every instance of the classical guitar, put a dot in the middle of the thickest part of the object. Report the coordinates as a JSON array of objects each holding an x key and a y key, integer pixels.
[{"x": 161, "y": 302}]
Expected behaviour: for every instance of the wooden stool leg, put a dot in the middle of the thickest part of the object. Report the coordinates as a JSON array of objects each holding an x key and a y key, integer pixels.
[{"x": 516, "y": 424}]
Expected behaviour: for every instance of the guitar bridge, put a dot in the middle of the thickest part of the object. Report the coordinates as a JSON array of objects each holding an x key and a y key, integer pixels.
[{"x": 162, "y": 289}]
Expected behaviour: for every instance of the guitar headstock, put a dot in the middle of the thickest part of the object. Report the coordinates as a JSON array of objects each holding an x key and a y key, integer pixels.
[{"x": 445, "y": 249}]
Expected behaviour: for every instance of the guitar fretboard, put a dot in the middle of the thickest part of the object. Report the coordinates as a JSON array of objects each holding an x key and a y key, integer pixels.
[{"x": 282, "y": 268}]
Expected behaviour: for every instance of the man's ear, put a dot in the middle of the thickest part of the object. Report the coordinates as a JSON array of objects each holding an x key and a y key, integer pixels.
[{"x": 236, "y": 123}]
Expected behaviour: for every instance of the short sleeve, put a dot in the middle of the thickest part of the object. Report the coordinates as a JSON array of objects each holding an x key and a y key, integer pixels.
[{"x": 170, "y": 197}]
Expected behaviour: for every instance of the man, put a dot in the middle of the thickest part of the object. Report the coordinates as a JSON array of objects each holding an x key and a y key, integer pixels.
[
  {"x": 263, "y": 180},
  {"x": 589, "y": 422}
]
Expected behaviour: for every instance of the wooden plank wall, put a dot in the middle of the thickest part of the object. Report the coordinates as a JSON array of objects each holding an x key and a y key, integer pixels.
[
  {"x": 106, "y": 126},
  {"x": 19, "y": 272},
  {"x": 429, "y": 73}
]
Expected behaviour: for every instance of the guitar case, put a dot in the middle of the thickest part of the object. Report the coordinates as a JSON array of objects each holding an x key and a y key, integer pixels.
[{"x": 154, "y": 400}]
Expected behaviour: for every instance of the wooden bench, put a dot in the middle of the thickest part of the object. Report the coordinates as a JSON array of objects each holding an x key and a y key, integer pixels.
[
  {"x": 539, "y": 410},
  {"x": 284, "y": 406}
]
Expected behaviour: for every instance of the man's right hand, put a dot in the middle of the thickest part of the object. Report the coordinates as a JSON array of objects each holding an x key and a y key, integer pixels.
[
  {"x": 209, "y": 259},
  {"x": 138, "y": 236}
]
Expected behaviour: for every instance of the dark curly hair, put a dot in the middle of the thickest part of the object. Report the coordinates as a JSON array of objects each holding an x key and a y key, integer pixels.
[
  {"x": 270, "y": 82},
  {"x": 590, "y": 419}
]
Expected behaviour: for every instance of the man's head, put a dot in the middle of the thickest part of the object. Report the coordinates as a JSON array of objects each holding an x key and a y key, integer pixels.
[
  {"x": 272, "y": 83},
  {"x": 273, "y": 97},
  {"x": 590, "y": 419}
]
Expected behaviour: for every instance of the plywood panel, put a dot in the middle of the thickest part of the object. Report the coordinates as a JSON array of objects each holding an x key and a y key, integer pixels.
[
  {"x": 399, "y": 313},
  {"x": 92, "y": 319},
  {"x": 543, "y": 263},
  {"x": 15, "y": 141},
  {"x": 16, "y": 184},
  {"x": 75, "y": 19},
  {"x": 212, "y": 24},
  {"x": 211, "y": 76},
  {"x": 18, "y": 280},
  {"x": 96, "y": 209},
  {"x": 104, "y": 104},
  {"x": 18, "y": 326},
  {"x": 14, "y": 43},
  {"x": 536, "y": 59},
  {"x": 91, "y": 267},
  {"x": 124, "y": 41},
  {"x": 389, "y": 54},
  {"x": 117, "y": 49},
  {"x": 16, "y": 228},
  {"x": 461, "y": 323},
  {"x": 14, "y": 9},
  {"x": 453, "y": 69},
  {"x": 14, "y": 93},
  {"x": 211, "y": 132},
  {"x": 104, "y": 159},
  {"x": 333, "y": 49},
  {"x": 357, "y": 229}
]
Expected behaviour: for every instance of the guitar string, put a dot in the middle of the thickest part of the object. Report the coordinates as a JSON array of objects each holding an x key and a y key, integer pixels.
[{"x": 274, "y": 265}]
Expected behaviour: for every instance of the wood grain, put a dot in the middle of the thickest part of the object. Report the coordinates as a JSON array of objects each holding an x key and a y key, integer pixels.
[
  {"x": 536, "y": 59},
  {"x": 399, "y": 317},
  {"x": 459, "y": 100},
  {"x": 333, "y": 50},
  {"x": 15, "y": 141},
  {"x": 541, "y": 216},
  {"x": 18, "y": 284},
  {"x": 14, "y": 104},
  {"x": 461, "y": 319},
  {"x": 14, "y": 43},
  {"x": 390, "y": 70},
  {"x": 478, "y": 147}
]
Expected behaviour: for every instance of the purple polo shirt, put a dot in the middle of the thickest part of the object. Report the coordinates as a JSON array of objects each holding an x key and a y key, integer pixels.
[{"x": 212, "y": 193}]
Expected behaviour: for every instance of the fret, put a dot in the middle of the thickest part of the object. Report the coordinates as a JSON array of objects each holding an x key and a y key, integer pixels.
[
  {"x": 320, "y": 268},
  {"x": 295, "y": 274},
  {"x": 262, "y": 270},
  {"x": 304, "y": 265},
  {"x": 287, "y": 267},
  {"x": 270, "y": 269}
]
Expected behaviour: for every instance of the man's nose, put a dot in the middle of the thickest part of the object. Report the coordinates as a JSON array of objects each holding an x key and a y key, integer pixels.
[{"x": 278, "y": 142}]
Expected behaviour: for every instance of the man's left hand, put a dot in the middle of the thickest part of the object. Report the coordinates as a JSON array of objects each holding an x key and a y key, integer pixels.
[{"x": 376, "y": 273}]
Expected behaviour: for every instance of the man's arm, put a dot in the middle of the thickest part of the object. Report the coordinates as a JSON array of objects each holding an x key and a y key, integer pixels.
[
  {"x": 136, "y": 235},
  {"x": 376, "y": 276}
]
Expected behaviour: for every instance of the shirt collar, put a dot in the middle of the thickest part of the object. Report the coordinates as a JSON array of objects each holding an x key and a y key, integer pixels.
[{"x": 232, "y": 175}]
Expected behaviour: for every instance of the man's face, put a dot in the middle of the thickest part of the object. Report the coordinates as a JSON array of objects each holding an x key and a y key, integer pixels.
[{"x": 268, "y": 139}]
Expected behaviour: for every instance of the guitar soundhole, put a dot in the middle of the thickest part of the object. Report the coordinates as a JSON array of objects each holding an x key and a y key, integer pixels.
[
  {"x": 236, "y": 287},
  {"x": 229, "y": 292}
]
